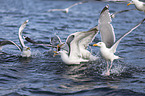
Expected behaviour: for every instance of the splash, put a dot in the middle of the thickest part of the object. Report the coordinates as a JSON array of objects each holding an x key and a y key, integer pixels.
[
  {"x": 116, "y": 70},
  {"x": 36, "y": 53}
]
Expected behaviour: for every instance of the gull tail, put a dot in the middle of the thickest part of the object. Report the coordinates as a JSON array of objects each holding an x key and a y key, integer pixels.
[{"x": 117, "y": 57}]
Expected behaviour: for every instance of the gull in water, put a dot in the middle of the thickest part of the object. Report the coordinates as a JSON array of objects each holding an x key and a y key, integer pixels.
[
  {"x": 77, "y": 47},
  {"x": 138, "y": 4},
  {"x": 108, "y": 45},
  {"x": 66, "y": 10},
  {"x": 25, "y": 51}
]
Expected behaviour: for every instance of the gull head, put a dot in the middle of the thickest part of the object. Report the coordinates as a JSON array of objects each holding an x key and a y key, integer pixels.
[
  {"x": 100, "y": 44},
  {"x": 59, "y": 52},
  {"x": 132, "y": 2},
  {"x": 26, "y": 49},
  {"x": 26, "y": 52},
  {"x": 59, "y": 47}
]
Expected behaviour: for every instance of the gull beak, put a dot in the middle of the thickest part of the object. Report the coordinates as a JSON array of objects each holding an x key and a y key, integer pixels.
[
  {"x": 55, "y": 53},
  {"x": 129, "y": 4},
  {"x": 95, "y": 44},
  {"x": 58, "y": 46}
]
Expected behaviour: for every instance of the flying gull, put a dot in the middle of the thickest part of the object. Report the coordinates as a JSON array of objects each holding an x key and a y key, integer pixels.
[
  {"x": 66, "y": 10},
  {"x": 108, "y": 45}
]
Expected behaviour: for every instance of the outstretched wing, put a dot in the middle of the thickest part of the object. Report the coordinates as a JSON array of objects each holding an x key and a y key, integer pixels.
[
  {"x": 20, "y": 33},
  {"x": 77, "y": 4},
  {"x": 113, "y": 48},
  {"x": 79, "y": 40},
  {"x": 113, "y": 15},
  {"x": 84, "y": 42},
  {"x": 50, "y": 10},
  {"x": 8, "y": 42},
  {"x": 106, "y": 29},
  {"x": 33, "y": 42},
  {"x": 55, "y": 40}
]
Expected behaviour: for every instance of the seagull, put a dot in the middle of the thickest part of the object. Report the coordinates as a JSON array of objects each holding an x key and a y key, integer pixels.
[
  {"x": 77, "y": 47},
  {"x": 66, "y": 10},
  {"x": 25, "y": 51},
  {"x": 138, "y": 4},
  {"x": 113, "y": 14},
  {"x": 108, "y": 45}
]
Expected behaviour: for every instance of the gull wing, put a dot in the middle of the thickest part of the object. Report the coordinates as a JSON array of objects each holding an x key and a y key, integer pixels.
[
  {"x": 33, "y": 42},
  {"x": 50, "y": 10},
  {"x": 77, "y": 4},
  {"x": 106, "y": 29},
  {"x": 8, "y": 42},
  {"x": 84, "y": 42},
  {"x": 73, "y": 44},
  {"x": 20, "y": 33},
  {"x": 55, "y": 40},
  {"x": 113, "y": 48},
  {"x": 77, "y": 40},
  {"x": 113, "y": 15}
]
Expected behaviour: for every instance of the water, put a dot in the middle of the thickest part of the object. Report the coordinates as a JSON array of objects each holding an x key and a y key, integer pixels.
[{"x": 45, "y": 75}]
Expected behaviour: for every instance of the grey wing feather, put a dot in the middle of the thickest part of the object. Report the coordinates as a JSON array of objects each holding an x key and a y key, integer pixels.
[
  {"x": 113, "y": 48},
  {"x": 113, "y": 15},
  {"x": 20, "y": 33},
  {"x": 106, "y": 29},
  {"x": 80, "y": 39},
  {"x": 50, "y": 10},
  {"x": 77, "y": 4},
  {"x": 8, "y": 42},
  {"x": 89, "y": 37},
  {"x": 55, "y": 40},
  {"x": 33, "y": 42}
]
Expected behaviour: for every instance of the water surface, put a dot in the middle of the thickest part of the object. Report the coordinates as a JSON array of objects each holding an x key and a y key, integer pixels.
[{"x": 45, "y": 75}]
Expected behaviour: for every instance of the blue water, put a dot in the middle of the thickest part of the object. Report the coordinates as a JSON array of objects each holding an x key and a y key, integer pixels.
[{"x": 45, "y": 75}]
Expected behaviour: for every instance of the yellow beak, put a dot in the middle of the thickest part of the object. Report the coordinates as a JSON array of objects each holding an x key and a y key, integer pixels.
[
  {"x": 55, "y": 53},
  {"x": 95, "y": 45},
  {"x": 128, "y": 4},
  {"x": 59, "y": 45}
]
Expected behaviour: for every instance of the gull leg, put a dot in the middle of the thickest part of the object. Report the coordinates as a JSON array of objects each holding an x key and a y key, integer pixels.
[
  {"x": 108, "y": 71},
  {"x": 110, "y": 66}
]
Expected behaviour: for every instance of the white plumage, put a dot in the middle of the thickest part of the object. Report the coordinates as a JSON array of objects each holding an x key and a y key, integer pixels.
[{"x": 108, "y": 45}]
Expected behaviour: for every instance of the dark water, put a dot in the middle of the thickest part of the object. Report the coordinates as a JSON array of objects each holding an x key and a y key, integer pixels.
[{"x": 45, "y": 75}]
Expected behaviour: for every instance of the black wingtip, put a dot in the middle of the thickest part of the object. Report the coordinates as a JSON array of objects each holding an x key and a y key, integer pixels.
[
  {"x": 29, "y": 40},
  {"x": 105, "y": 8},
  {"x": 143, "y": 20}
]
